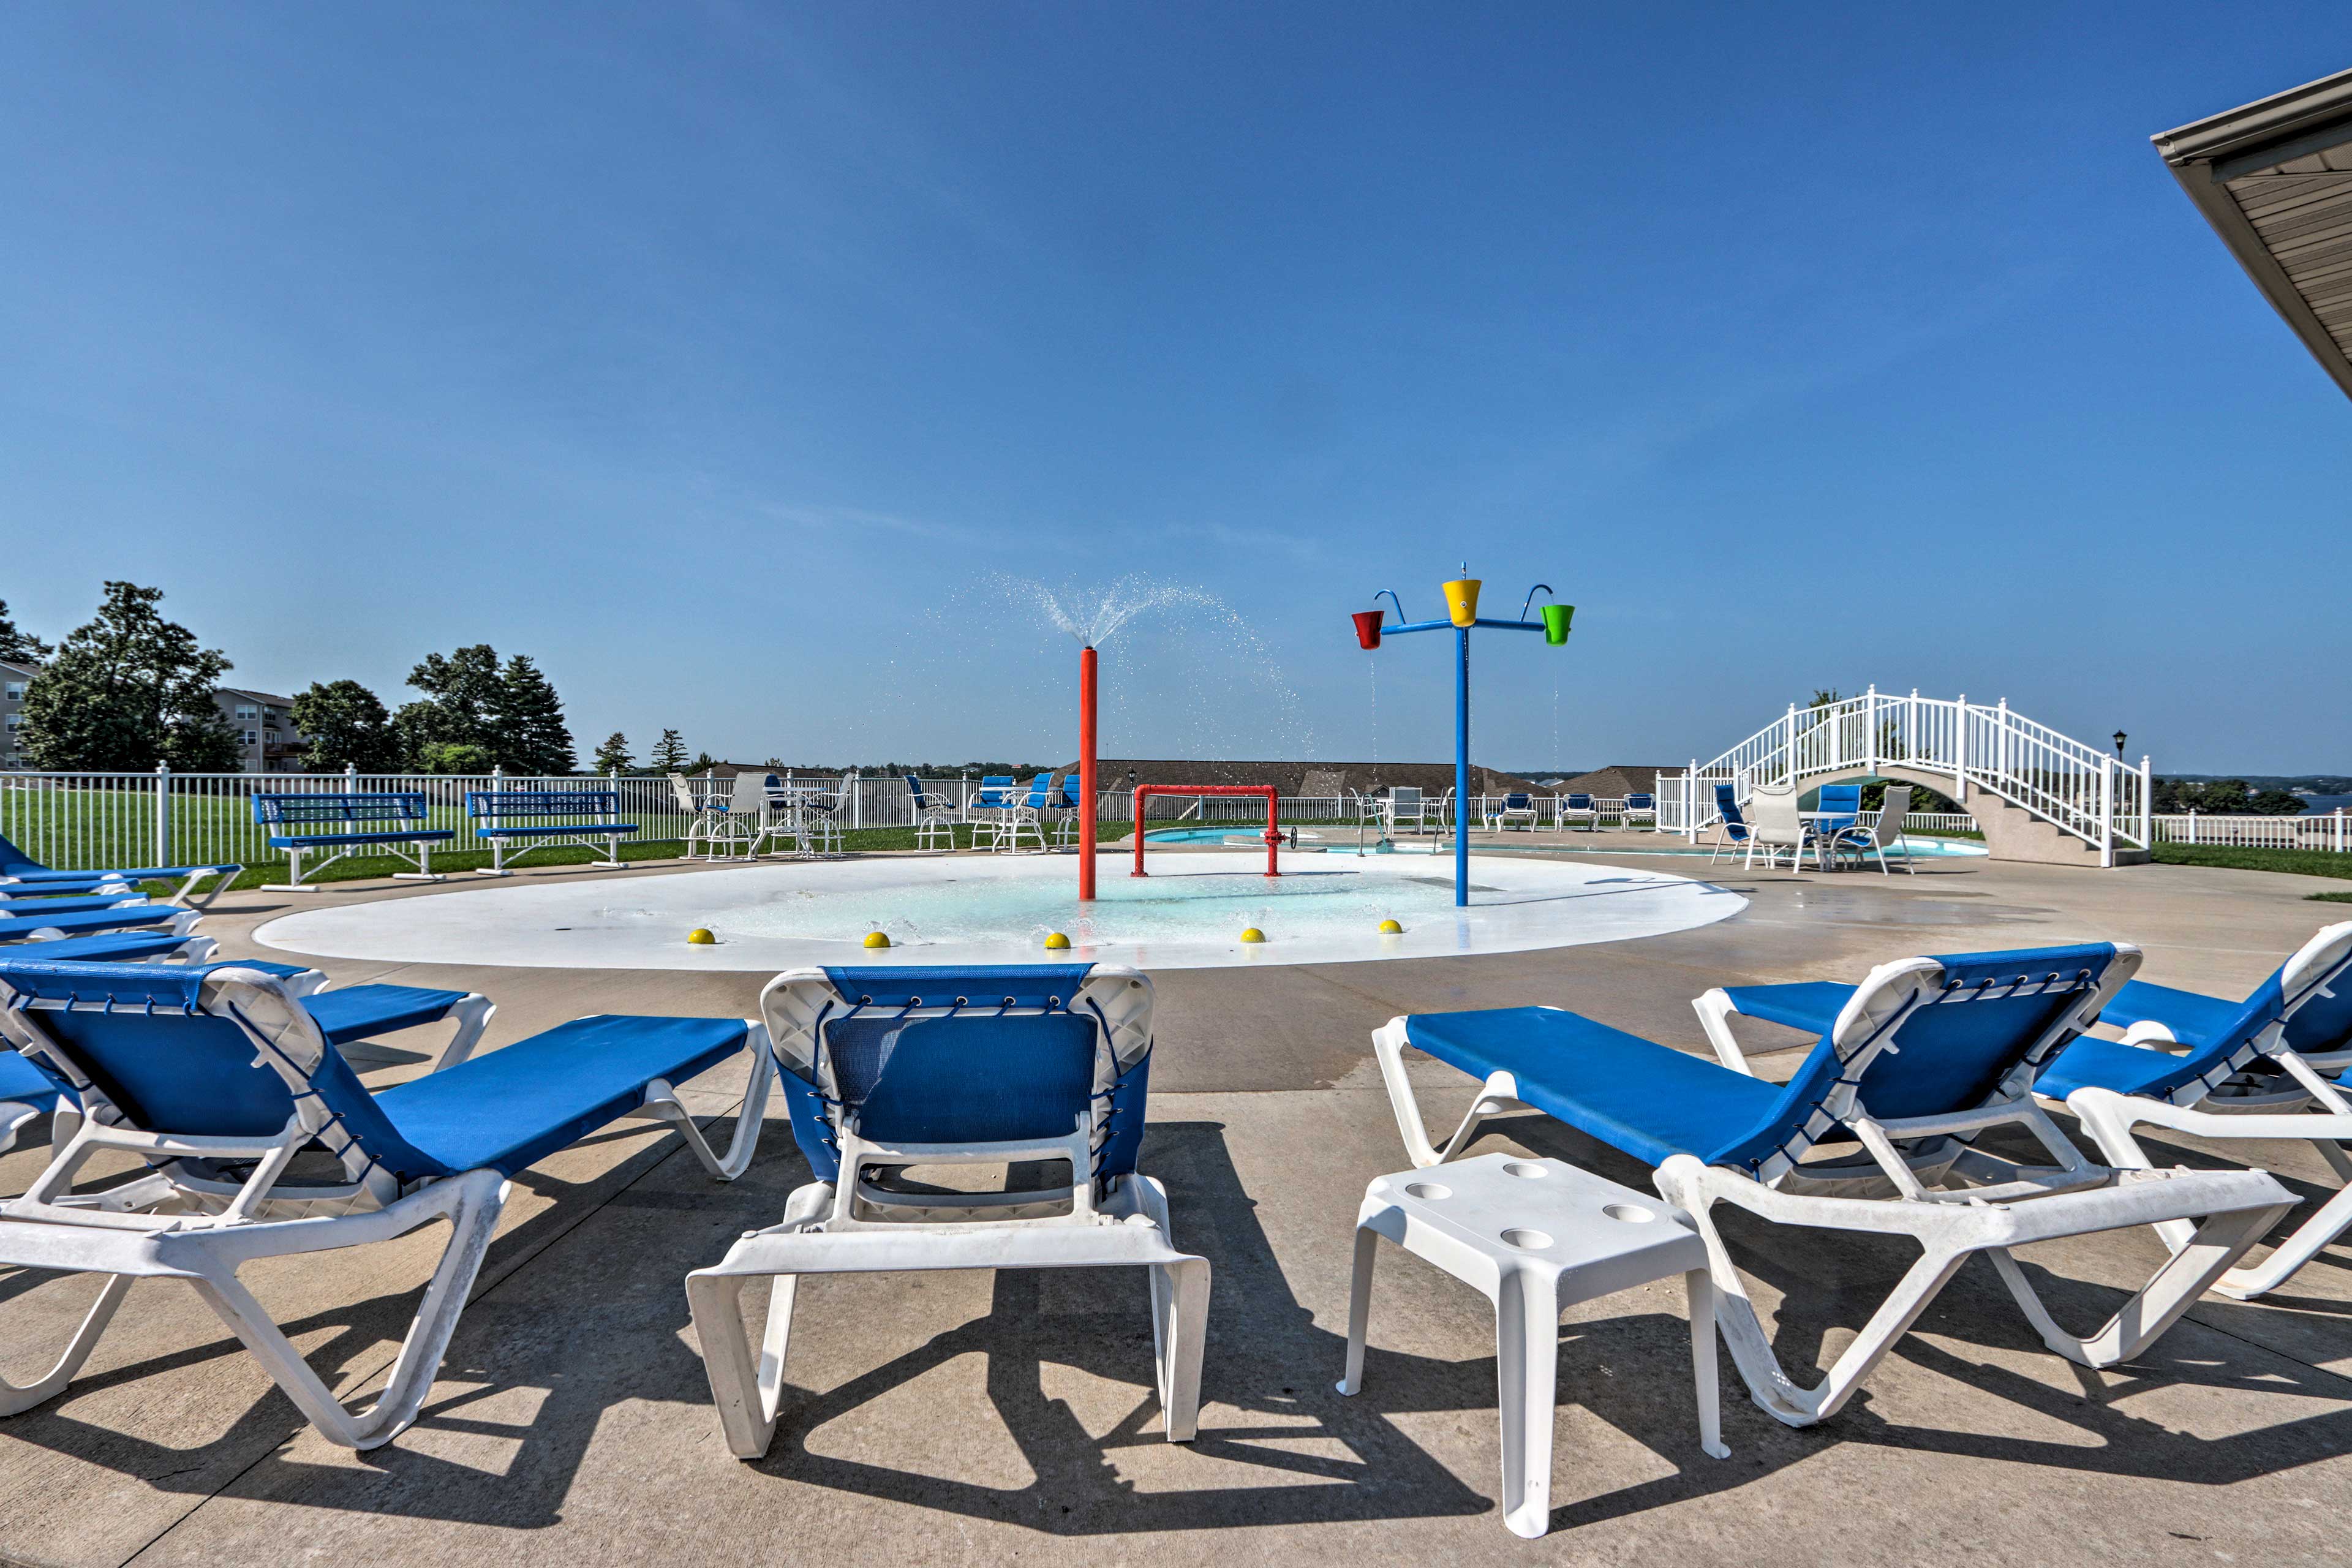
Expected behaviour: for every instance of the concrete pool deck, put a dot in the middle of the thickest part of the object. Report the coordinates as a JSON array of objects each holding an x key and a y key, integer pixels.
[{"x": 987, "y": 1417}]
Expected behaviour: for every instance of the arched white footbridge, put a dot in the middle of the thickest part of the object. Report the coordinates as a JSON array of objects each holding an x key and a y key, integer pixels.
[{"x": 2037, "y": 795}]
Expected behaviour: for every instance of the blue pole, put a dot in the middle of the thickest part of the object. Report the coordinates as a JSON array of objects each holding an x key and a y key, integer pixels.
[{"x": 1461, "y": 769}]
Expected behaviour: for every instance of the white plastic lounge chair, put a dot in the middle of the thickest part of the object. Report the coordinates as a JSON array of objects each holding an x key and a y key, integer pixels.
[
  {"x": 220, "y": 1078},
  {"x": 1575, "y": 810},
  {"x": 1864, "y": 839},
  {"x": 1925, "y": 1054},
  {"x": 934, "y": 816},
  {"x": 20, "y": 869},
  {"x": 1519, "y": 809},
  {"x": 888, "y": 1067},
  {"x": 1775, "y": 824},
  {"x": 2270, "y": 1066},
  {"x": 1637, "y": 809}
]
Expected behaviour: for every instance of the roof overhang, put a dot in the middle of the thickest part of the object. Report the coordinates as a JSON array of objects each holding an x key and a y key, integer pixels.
[{"x": 2275, "y": 179}]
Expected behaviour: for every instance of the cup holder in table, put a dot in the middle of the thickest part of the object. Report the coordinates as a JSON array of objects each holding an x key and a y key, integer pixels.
[
  {"x": 1428, "y": 1191},
  {"x": 1526, "y": 1169},
  {"x": 1526, "y": 1241},
  {"x": 1630, "y": 1213}
]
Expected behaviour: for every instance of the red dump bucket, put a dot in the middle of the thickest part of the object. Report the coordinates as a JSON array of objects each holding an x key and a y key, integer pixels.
[{"x": 1368, "y": 628}]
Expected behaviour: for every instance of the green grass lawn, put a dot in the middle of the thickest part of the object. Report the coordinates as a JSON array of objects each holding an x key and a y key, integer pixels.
[{"x": 2304, "y": 862}]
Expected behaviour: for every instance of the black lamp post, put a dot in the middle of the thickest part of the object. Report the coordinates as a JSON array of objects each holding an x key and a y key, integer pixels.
[{"x": 2120, "y": 739}]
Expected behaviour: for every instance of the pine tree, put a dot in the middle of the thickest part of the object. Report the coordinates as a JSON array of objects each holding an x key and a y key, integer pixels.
[
  {"x": 462, "y": 694},
  {"x": 613, "y": 756},
  {"x": 669, "y": 753},
  {"x": 346, "y": 724},
  {"x": 129, "y": 690},
  {"x": 528, "y": 722},
  {"x": 19, "y": 648}
]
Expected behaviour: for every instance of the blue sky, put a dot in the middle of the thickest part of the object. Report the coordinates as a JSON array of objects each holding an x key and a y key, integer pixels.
[{"x": 719, "y": 355}]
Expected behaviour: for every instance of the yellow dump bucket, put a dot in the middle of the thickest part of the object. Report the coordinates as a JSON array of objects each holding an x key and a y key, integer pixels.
[{"x": 1462, "y": 600}]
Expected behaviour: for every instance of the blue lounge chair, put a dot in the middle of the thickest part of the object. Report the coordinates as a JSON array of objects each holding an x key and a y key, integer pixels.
[
  {"x": 27, "y": 1089},
  {"x": 219, "y": 1077},
  {"x": 1515, "y": 808},
  {"x": 1575, "y": 808},
  {"x": 16, "y": 868},
  {"x": 888, "y": 1067},
  {"x": 124, "y": 947},
  {"x": 32, "y": 922},
  {"x": 1871, "y": 1134},
  {"x": 1638, "y": 807},
  {"x": 2272, "y": 1065}
]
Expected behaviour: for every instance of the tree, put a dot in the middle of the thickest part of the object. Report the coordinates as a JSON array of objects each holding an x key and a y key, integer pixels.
[
  {"x": 462, "y": 691},
  {"x": 703, "y": 763},
  {"x": 2223, "y": 797},
  {"x": 19, "y": 648},
  {"x": 508, "y": 712},
  {"x": 455, "y": 757},
  {"x": 669, "y": 753},
  {"x": 129, "y": 690},
  {"x": 528, "y": 722},
  {"x": 613, "y": 756},
  {"x": 346, "y": 725}
]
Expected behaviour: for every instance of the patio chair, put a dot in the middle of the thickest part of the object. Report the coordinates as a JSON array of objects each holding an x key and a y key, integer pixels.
[
  {"x": 357, "y": 1012},
  {"x": 2272, "y": 1065},
  {"x": 775, "y": 820},
  {"x": 886, "y": 1068},
  {"x": 935, "y": 815},
  {"x": 1926, "y": 1053},
  {"x": 1636, "y": 808},
  {"x": 991, "y": 809},
  {"x": 1776, "y": 825},
  {"x": 1027, "y": 808},
  {"x": 1404, "y": 809},
  {"x": 1573, "y": 809},
  {"x": 1839, "y": 808},
  {"x": 1064, "y": 805},
  {"x": 1864, "y": 839},
  {"x": 708, "y": 817},
  {"x": 1518, "y": 808},
  {"x": 1732, "y": 834},
  {"x": 18, "y": 868},
  {"x": 231, "y": 1089}
]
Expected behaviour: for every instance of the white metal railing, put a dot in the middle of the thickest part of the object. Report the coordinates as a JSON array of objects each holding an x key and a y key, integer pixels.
[{"x": 2083, "y": 789}]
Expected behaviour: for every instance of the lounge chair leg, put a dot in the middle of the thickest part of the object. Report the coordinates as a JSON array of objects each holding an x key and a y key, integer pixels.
[
  {"x": 473, "y": 1016},
  {"x": 1698, "y": 1292},
  {"x": 747, "y": 1392},
  {"x": 15, "y": 1397},
  {"x": 2219, "y": 1243},
  {"x": 1526, "y": 1375},
  {"x": 474, "y": 1200},
  {"x": 2300, "y": 1248},
  {"x": 1359, "y": 1308},
  {"x": 1179, "y": 1368}
]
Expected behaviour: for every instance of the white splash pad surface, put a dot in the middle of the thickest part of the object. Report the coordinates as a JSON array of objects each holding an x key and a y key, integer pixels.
[{"x": 1188, "y": 914}]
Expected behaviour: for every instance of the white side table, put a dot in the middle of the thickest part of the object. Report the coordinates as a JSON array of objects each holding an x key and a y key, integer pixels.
[{"x": 1538, "y": 1236}]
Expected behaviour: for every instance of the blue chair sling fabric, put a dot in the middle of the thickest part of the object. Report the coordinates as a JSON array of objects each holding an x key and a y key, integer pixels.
[
  {"x": 1995, "y": 1015},
  {"x": 17, "y": 926},
  {"x": 14, "y": 862},
  {"x": 1840, "y": 805},
  {"x": 916, "y": 1054},
  {"x": 1726, "y": 806}
]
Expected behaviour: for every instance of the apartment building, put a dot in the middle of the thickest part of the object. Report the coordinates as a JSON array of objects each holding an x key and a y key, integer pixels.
[{"x": 264, "y": 722}]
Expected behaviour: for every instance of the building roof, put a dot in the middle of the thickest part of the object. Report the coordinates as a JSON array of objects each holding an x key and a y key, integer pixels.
[
  {"x": 2275, "y": 179},
  {"x": 271, "y": 698},
  {"x": 1619, "y": 780}
]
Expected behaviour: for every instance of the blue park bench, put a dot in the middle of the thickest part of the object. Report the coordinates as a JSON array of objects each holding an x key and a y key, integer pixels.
[
  {"x": 349, "y": 824},
  {"x": 503, "y": 816}
]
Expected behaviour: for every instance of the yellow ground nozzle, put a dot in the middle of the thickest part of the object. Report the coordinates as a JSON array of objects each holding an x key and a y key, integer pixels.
[
  {"x": 1056, "y": 940},
  {"x": 1391, "y": 928},
  {"x": 1253, "y": 934},
  {"x": 876, "y": 938},
  {"x": 699, "y": 937}
]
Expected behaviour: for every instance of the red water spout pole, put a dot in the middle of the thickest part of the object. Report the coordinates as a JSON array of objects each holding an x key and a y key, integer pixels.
[{"x": 1086, "y": 774}]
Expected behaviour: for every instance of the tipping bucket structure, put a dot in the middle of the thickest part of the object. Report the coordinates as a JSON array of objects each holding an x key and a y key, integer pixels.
[{"x": 1368, "y": 628}]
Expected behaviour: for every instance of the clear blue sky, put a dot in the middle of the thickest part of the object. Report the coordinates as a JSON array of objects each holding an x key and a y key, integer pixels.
[{"x": 715, "y": 356}]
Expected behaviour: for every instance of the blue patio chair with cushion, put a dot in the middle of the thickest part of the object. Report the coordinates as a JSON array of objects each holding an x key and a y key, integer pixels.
[
  {"x": 2272, "y": 1065},
  {"x": 18, "y": 868},
  {"x": 1515, "y": 808},
  {"x": 1872, "y": 1134},
  {"x": 261, "y": 1137},
  {"x": 1638, "y": 809},
  {"x": 1574, "y": 809},
  {"x": 885, "y": 1068}
]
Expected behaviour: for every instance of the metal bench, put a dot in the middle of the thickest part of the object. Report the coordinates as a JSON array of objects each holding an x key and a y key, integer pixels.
[
  {"x": 502, "y": 816},
  {"x": 348, "y": 825}
]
